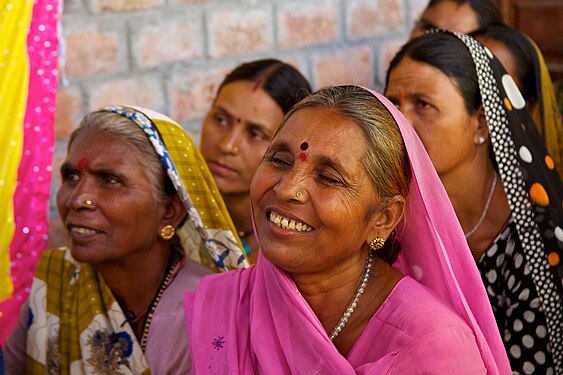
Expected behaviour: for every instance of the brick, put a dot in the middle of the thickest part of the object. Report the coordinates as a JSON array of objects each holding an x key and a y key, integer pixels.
[
  {"x": 166, "y": 42},
  {"x": 373, "y": 18},
  {"x": 99, "y": 6},
  {"x": 387, "y": 52},
  {"x": 191, "y": 94},
  {"x": 68, "y": 110},
  {"x": 140, "y": 91},
  {"x": 349, "y": 66},
  {"x": 239, "y": 32},
  {"x": 303, "y": 24},
  {"x": 189, "y": 2},
  {"x": 91, "y": 52}
]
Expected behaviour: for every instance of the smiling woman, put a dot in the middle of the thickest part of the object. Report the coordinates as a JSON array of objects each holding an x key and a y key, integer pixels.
[
  {"x": 139, "y": 206},
  {"x": 342, "y": 267},
  {"x": 250, "y": 102}
]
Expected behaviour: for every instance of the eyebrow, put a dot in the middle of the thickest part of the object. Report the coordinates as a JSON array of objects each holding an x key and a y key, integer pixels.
[
  {"x": 68, "y": 167},
  {"x": 257, "y": 125}
]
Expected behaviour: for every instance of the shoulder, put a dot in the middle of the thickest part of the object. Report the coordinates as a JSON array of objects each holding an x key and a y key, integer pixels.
[
  {"x": 416, "y": 310},
  {"x": 54, "y": 263}
]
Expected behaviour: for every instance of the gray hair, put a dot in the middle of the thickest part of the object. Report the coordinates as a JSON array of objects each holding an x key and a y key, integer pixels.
[{"x": 130, "y": 133}]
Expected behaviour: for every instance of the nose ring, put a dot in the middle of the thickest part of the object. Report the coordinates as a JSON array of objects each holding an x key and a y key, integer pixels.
[
  {"x": 298, "y": 194},
  {"x": 235, "y": 149},
  {"x": 88, "y": 202}
]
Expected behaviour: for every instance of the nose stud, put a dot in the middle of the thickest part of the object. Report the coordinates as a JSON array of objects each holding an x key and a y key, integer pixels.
[
  {"x": 88, "y": 202},
  {"x": 298, "y": 194}
]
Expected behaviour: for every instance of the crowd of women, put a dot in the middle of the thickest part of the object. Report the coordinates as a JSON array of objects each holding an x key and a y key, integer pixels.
[{"x": 339, "y": 231}]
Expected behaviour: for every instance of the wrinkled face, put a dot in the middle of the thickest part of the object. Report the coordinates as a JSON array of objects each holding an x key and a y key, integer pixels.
[
  {"x": 106, "y": 201},
  {"x": 236, "y": 133},
  {"x": 503, "y": 54},
  {"x": 447, "y": 15},
  {"x": 435, "y": 108},
  {"x": 312, "y": 197}
]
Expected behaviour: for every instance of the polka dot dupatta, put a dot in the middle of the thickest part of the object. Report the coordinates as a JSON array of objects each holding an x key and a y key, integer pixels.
[{"x": 531, "y": 183}]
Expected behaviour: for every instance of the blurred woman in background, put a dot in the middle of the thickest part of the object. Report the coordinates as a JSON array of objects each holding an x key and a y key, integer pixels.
[{"x": 250, "y": 103}]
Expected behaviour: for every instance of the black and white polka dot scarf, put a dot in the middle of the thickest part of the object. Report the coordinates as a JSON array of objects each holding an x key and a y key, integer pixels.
[{"x": 533, "y": 187}]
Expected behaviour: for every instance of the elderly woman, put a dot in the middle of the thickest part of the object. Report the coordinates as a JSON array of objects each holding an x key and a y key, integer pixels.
[
  {"x": 501, "y": 181},
  {"x": 346, "y": 282},
  {"x": 248, "y": 107},
  {"x": 138, "y": 202}
]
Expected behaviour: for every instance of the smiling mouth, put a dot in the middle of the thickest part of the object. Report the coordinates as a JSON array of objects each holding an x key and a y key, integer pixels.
[
  {"x": 82, "y": 230},
  {"x": 287, "y": 223}
]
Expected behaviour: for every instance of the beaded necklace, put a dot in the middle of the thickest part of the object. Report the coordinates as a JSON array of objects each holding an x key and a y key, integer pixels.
[
  {"x": 165, "y": 283},
  {"x": 355, "y": 300}
]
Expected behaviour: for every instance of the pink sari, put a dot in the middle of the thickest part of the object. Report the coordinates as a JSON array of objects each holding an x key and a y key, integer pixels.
[{"x": 436, "y": 320}]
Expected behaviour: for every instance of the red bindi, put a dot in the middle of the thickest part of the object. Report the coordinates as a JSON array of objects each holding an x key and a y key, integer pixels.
[
  {"x": 303, "y": 156},
  {"x": 83, "y": 163}
]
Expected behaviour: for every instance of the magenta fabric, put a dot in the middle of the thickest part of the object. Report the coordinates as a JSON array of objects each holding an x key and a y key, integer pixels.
[
  {"x": 255, "y": 321},
  {"x": 31, "y": 198}
]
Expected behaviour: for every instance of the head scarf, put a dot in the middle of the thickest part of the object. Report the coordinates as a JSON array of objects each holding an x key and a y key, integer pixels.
[
  {"x": 259, "y": 325},
  {"x": 531, "y": 183},
  {"x": 75, "y": 323}
]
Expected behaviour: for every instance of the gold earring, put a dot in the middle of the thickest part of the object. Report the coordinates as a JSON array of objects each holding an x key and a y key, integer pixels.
[
  {"x": 167, "y": 232},
  {"x": 377, "y": 243}
]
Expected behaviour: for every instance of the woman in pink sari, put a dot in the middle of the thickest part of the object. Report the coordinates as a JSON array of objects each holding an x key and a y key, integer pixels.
[{"x": 363, "y": 265}]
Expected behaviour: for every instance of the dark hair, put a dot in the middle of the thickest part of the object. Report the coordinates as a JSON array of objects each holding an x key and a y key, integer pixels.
[
  {"x": 487, "y": 11},
  {"x": 386, "y": 160},
  {"x": 285, "y": 84},
  {"x": 521, "y": 51},
  {"x": 448, "y": 54}
]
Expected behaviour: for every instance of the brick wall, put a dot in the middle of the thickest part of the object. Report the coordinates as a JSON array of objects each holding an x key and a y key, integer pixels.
[{"x": 170, "y": 55}]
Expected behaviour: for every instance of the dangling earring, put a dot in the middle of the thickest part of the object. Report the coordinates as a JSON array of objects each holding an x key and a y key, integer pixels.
[
  {"x": 377, "y": 243},
  {"x": 167, "y": 232}
]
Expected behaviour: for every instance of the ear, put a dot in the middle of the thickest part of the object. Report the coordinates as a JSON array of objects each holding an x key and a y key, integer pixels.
[
  {"x": 481, "y": 127},
  {"x": 384, "y": 221},
  {"x": 174, "y": 212}
]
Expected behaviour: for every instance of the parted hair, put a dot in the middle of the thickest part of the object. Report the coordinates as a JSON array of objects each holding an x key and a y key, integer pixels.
[{"x": 105, "y": 122}]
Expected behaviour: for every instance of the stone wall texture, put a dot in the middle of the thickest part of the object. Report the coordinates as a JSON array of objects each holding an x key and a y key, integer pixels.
[{"x": 170, "y": 55}]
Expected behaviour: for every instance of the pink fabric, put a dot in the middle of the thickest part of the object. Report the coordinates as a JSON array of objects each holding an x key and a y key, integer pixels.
[
  {"x": 255, "y": 320},
  {"x": 31, "y": 198}
]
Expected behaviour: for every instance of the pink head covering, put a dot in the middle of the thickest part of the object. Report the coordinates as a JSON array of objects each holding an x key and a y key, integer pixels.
[{"x": 262, "y": 323}]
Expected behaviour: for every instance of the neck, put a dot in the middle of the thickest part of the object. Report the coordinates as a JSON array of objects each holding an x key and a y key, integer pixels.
[
  {"x": 329, "y": 292},
  {"x": 135, "y": 281},
  {"x": 238, "y": 206}
]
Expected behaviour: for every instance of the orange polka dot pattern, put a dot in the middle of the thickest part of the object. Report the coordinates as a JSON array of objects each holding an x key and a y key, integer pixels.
[{"x": 534, "y": 190}]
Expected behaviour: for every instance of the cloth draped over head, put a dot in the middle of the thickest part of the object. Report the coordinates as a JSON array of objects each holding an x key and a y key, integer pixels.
[
  {"x": 274, "y": 330},
  {"x": 94, "y": 335},
  {"x": 531, "y": 183}
]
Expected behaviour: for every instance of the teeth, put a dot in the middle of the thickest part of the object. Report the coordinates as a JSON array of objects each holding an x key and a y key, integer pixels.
[
  {"x": 81, "y": 230},
  {"x": 287, "y": 223}
]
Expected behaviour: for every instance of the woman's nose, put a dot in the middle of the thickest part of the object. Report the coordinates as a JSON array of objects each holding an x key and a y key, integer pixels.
[
  {"x": 230, "y": 142},
  {"x": 82, "y": 196},
  {"x": 293, "y": 186}
]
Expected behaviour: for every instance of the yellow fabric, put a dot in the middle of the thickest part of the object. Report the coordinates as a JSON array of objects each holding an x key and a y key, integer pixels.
[
  {"x": 553, "y": 134},
  {"x": 15, "y": 17}
]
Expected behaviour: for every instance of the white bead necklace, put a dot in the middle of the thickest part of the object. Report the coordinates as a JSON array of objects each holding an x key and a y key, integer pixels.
[
  {"x": 485, "y": 210},
  {"x": 354, "y": 303}
]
